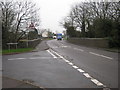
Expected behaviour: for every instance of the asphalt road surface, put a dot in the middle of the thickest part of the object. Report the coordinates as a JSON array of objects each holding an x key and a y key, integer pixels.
[
  {"x": 64, "y": 65},
  {"x": 0, "y": 71}
]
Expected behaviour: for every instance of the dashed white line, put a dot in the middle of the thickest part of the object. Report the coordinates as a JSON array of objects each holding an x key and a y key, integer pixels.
[
  {"x": 70, "y": 63},
  {"x": 75, "y": 67},
  {"x": 80, "y": 70},
  {"x": 106, "y": 57},
  {"x": 51, "y": 54},
  {"x": 78, "y": 49},
  {"x": 64, "y": 46},
  {"x": 87, "y": 75},
  {"x": 16, "y": 58},
  {"x": 97, "y": 82},
  {"x": 66, "y": 61},
  {"x": 100, "y": 55},
  {"x": 55, "y": 47},
  {"x": 40, "y": 58},
  {"x": 94, "y": 53}
]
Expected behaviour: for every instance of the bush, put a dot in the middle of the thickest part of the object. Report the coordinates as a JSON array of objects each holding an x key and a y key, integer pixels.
[{"x": 113, "y": 42}]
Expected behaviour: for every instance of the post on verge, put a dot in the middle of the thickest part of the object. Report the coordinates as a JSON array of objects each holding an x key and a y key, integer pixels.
[{"x": 9, "y": 44}]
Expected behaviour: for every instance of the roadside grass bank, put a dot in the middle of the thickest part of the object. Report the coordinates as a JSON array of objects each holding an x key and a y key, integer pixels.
[{"x": 19, "y": 50}]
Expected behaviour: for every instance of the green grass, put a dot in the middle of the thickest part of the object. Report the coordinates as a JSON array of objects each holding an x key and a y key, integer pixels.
[
  {"x": 19, "y": 50},
  {"x": 49, "y": 39}
]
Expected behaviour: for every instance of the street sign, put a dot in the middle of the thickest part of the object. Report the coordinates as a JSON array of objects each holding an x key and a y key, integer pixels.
[{"x": 31, "y": 27}]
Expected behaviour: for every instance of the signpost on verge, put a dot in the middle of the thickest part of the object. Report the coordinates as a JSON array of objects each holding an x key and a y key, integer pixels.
[
  {"x": 30, "y": 28},
  {"x": 9, "y": 44}
]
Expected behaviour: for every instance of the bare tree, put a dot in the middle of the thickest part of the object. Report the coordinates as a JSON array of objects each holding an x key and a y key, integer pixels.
[
  {"x": 82, "y": 14},
  {"x": 16, "y": 18},
  {"x": 25, "y": 12},
  {"x": 7, "y": 18}
]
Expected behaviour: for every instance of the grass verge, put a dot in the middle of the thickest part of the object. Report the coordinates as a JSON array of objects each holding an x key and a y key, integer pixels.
[{"x": 19, "y": 50}]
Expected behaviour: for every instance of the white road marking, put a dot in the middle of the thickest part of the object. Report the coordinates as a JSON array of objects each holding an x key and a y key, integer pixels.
[
  {"x": 106, "y": 57},
  {"x": 35, "y": 58},
  {"x": 66, "y": 61},
  {"x": 16, "y": 58},
  {"x": 78, "y": 49},
  {"x": 70, "y": 63},
  {"x": 40, "y": 58},
  {"x": 55, "y": 47},
  {"x": 57, "y": 54},
  {"x": 87, "y": 75},
  {"x": 80, "y": 70},
  {"x": 97, "y": 82},
  {"x": 51, "y": 54},
  {"x": 29, "y": 58},
  {"x": 61, "y": 56},
  {"x": 75, "y": 67},
  {"x": 94, "y": 53},
  {"x": 100, "y": 55},
  {"x": 64, "y": 46}
]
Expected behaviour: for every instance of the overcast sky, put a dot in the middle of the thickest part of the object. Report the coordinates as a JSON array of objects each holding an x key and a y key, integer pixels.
[{"x": 53, "y": 11}]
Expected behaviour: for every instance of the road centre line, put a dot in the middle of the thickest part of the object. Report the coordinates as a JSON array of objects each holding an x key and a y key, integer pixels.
[
  {"x": 78, "y": 49},
  {"x": 70, "y": 63},
  {"x": 80, "y": 70},
  {"x": 95, "y": 81},
  {"x": 66, "y": 61},
  {"x": 55, "y": 47},
  {"x": 100, "y": 55},
  {"x": 87, "y": 75},
  {"x": 64, "y": 46},
  {"x": 75, "y": 67},
  {"x": 40, "y": 58},
  {"x": 51, "y": 54}
]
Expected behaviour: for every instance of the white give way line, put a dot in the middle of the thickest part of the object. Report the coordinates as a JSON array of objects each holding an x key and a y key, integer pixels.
[
  {"x": 78, "y": 49},
  {"x": 29, "y": 58}
]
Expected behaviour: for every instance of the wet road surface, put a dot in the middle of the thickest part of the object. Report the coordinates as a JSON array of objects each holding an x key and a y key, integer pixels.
[{"x": 64, "y": 65}]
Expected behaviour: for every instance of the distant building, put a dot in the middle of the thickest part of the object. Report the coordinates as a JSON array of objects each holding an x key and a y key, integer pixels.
[{"x": 45, "y": 34}]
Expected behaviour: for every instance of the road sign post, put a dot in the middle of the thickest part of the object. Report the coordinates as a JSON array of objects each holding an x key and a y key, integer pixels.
[{"x": 9, "y": 44}]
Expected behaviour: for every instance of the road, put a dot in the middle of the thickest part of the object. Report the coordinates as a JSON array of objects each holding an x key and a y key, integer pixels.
[
  {"x": 64, "y": 65},
  {"x": 0, "y": 71}
]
